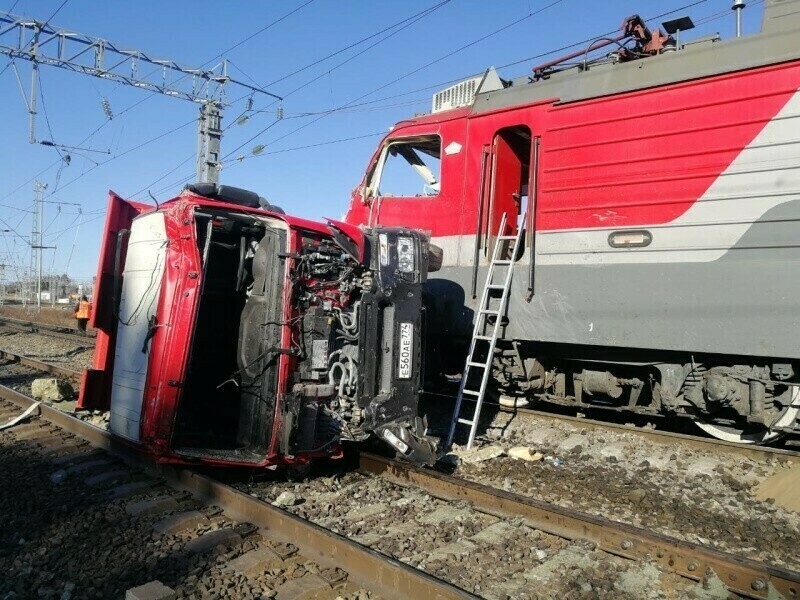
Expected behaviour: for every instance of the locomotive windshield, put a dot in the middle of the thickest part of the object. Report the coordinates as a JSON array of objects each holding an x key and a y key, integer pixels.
[{"x": 409, "y": 168}]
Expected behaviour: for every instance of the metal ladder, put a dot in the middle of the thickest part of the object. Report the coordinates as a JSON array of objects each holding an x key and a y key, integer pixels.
[{"x": 479, "y": 332}]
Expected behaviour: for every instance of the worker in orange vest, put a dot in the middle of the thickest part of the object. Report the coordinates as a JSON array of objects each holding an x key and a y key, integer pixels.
[{"x": 82, "y": 313}]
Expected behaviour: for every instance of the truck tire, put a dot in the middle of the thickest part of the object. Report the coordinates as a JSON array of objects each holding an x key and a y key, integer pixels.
[
  {"x": 226, "y": 193},
  {"x": 435, "y": 258}
]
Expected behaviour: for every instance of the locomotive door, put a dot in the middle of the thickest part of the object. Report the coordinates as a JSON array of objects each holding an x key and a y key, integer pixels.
[
  {"x": 511, "y": 153},
  {"x": 505, "y": 172},
  {"x": 506, "y": 188}
]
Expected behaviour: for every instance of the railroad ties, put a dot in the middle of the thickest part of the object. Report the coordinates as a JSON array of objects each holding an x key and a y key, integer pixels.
[
  {"x": 383, "y": 530},
  {"x": 102, "y": 523}
]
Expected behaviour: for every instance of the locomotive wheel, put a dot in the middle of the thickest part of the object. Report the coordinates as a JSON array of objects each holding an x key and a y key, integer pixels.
[
  {"x": 513, "y": 401},
  {"x": 762, "y": 436}
]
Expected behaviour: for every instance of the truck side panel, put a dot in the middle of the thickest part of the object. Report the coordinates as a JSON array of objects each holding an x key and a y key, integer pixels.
[{"x": 141, "y": 289}]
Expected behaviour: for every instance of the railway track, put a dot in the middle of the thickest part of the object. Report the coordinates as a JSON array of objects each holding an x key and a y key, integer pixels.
[
  {"x": 785, "y": 451},
  {"x": 254, "y": 548},
  {"x": 498, "y": 544},
  {"x": 496, "y": 512},
  {"x": 741, "y": 576},
  {"x": 44, "y": 367},
  {"x": 55, "y": 331}
]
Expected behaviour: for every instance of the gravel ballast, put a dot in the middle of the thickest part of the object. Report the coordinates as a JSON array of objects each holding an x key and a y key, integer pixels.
[
  {"x": 696, "y": 495},
  {"x": 492, "y": 557}
]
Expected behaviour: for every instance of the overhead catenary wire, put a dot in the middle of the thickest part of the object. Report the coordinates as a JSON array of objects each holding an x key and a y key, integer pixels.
[
  {"x": 397, "y": 26},
  {"x": 353, "y": 104},
  {"x": 333, "y": 110},
  {"x": 144, "y": 99},
  {"x": 469, "y": 44},
  {"x": 228, "y": 157},
  {"x": 326, "y": 143},
  {"x": 357, "y": 43},
  {"x": 404, "y": 76}
]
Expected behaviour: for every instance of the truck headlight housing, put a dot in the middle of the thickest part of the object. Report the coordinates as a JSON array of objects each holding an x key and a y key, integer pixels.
[{"x": 405, "y": 254}]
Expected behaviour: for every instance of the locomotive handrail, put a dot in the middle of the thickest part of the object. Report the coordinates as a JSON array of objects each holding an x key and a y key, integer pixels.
[{"x": 479, "y": 225}]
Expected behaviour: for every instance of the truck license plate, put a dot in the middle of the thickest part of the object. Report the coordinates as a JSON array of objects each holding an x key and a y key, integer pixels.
[{"x": 406, "y": 350}]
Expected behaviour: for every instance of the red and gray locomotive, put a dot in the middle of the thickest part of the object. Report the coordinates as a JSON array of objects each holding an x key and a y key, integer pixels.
[{"x": 660, "y": 272}]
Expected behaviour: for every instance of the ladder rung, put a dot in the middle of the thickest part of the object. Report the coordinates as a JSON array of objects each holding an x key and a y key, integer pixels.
[
  {"x": 471, "y": 392},
  {"x": 507, "y": 237},
  {"x": 465, "y": 421},
  {"x": 485, "y": 338},
  {"x": 489, "y": 311},
  {"x": 476, "y": 364},
  {"x": 505, "y": 261},
  {"x": 495, "y": 286}
]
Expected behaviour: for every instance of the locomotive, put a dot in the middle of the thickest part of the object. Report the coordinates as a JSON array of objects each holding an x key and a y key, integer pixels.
[
  {"x": 660, "y": 189},
  {"x": 232, "y": 334}
]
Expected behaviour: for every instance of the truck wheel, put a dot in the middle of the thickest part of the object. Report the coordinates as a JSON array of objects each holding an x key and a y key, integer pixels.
[{"x": 435, "y": 258}]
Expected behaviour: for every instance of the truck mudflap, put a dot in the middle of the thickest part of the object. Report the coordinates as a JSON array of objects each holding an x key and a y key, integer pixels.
[{"x": 411, "y": 441}]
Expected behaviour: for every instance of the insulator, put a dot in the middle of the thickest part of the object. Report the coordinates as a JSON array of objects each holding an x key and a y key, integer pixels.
[
  {"x": 279, "y": 113},
  {"x": 107, "y": 108}
]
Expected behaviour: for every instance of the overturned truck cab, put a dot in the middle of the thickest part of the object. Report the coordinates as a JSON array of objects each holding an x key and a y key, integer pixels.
[{"x": 232, "y": 334}]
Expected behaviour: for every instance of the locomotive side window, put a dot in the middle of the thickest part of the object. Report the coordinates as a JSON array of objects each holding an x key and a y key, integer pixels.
[{"x": 409, "y": 168}]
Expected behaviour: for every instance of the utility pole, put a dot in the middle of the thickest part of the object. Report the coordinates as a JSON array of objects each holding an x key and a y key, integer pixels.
[
  {"x": 209, "y": 138},
  {"x": 37, "y": 223},
  {"x": 3, "y": 284},
  {"x": 42, "y": 44}
]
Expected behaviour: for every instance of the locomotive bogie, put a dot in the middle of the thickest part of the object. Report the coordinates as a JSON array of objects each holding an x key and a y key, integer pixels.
[{"x": 752, "y": 397}]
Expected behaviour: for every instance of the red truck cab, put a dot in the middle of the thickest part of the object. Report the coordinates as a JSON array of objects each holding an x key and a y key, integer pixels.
[{"x": 232, "y": 334}]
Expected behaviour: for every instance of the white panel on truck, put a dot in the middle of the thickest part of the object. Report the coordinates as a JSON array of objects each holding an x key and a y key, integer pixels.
[{"x": 141, "y": 287}]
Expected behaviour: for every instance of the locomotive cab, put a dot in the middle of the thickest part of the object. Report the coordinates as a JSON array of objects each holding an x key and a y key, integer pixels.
[{"x": 230, "y": 334}]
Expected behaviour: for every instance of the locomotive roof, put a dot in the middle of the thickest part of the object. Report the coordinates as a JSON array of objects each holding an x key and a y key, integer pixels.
[{"x": 777, "y": 42}]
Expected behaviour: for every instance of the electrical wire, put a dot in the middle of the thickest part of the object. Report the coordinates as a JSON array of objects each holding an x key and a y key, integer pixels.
[
  {"x": 439, "y": 85},
  {"x": 404, "y": 76},
  {"x": 51, "y": 17},
  {"x": 354, "y": 44},
  {"x": 407, "y": 22},
  {"x": 45, "y": 25},
  {"x": 139, "y": 102},
  {"x": 327, "y": 143},
  {"x": 421, "y": 16},
  {"x": 125, "y": 153},
  {"x": 262, "y": 30},
  {"x": 323, "y": 114},
  {"x": 395, "y": 96}
]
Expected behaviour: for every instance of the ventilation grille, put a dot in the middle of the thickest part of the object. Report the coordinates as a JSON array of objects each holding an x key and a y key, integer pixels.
[{"x": 461, "y": 94}]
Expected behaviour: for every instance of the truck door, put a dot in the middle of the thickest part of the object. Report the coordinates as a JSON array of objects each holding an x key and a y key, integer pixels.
[{"x": 96, "y": 382}]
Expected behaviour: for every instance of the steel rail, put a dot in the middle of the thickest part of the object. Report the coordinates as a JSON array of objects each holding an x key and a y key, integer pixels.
[
  {"x": 56, "y": 331},
  {"x": 41, "y": 366},
  {"x": 741, "y": 575},
  {"x": 666, "y": 437},
  {"x": 386, "y": 576}
]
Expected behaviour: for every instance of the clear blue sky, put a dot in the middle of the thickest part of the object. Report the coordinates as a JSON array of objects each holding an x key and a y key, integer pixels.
[{"x": 310, "y": 182}]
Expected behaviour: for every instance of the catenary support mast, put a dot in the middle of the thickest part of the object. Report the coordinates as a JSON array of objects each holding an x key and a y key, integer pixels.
[{"x": 42, "y": 44}]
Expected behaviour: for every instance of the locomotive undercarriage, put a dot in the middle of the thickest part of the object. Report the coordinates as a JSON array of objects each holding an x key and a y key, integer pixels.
[{"x": 738, "y": 399}]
